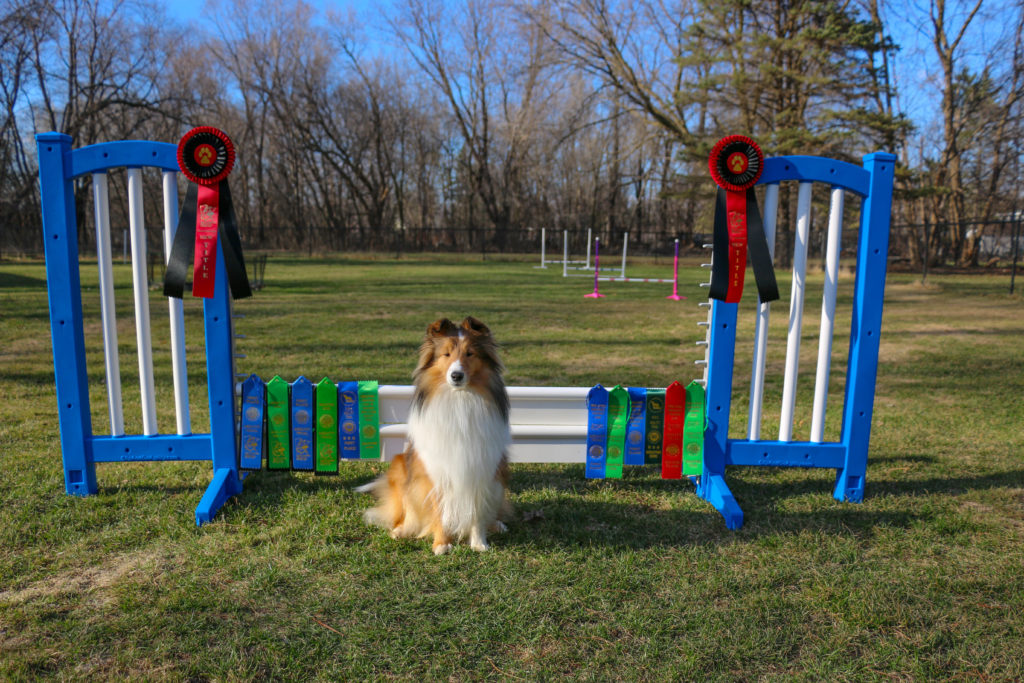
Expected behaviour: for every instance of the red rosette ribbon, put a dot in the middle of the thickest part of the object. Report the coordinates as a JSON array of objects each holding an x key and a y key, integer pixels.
[
  {"x": 206, "y": 157},
  {"x": 736, "y": 163}
]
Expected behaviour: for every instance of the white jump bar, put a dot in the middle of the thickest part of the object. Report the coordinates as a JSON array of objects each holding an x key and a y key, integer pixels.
[{"x": 549, "y": 424}]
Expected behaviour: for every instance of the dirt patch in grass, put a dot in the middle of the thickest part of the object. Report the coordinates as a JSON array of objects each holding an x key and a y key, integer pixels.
[{"x": 94, "y": 582}]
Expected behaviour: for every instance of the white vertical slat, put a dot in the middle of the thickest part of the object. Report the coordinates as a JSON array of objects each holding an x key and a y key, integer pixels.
[
  {"x": 140, "y": 285},
  {"x": 828, "y": 314},
  {"x": 590, "y": 240},
  {"x": 177, "y": 313},
  {"x": 771, "y": 211},
  {"x": 625, "y": 243},
  {"x": 104, "y": 259},
  {"x": 796, "y": 311},
  {"x": 542, "y": 252}
]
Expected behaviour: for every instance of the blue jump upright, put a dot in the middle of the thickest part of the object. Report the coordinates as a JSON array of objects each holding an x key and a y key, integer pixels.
[
  {"x": 59, "y": 165},
  {"x": 873, "y": 183}
]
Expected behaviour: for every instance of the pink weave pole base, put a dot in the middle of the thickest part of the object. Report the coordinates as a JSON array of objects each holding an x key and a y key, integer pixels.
[{"x": 675, "y": 277}]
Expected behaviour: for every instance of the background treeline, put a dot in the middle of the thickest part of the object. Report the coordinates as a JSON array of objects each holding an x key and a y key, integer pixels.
[{"x": 469, "y": 125}]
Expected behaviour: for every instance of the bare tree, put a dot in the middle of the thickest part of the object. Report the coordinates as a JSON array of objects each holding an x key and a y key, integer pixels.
[
  {"x": 17, "y": 182},
  {"x": 490, "y": 69},
  {"x": 975, "y": 111}
]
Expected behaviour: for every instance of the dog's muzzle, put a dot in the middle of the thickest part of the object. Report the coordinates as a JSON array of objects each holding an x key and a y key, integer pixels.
[{"x": 456, "y": 375}]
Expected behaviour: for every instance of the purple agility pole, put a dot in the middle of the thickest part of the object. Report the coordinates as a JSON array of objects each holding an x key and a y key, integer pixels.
[
  {"x": 675, "y": 277},
  {"x": 597, "y": 256}
]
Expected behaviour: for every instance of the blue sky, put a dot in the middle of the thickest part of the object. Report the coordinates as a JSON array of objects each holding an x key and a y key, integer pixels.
[{"x": 916, "y": 67}]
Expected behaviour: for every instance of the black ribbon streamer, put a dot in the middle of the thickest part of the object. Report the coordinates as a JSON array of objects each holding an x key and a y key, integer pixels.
[
  {"x": 184, "y": 243},
  {"x": 757, "y": 251}
]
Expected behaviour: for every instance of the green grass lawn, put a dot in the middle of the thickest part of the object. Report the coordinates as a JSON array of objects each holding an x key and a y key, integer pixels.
[{"x": 596, "y": 580}]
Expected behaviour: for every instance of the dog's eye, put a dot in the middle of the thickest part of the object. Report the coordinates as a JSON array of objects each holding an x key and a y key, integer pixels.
[
  {"x": 446, "y": 354},
  {"x": 469, "y": 353}
]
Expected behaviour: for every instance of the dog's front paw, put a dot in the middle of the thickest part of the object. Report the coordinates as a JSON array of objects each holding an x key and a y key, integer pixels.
[
  {"x": 478, "y": 540},
  {"x": 442, "y": 548},
  {"x": 498, "y": 527},
  {"x": 402, "y": 531}
]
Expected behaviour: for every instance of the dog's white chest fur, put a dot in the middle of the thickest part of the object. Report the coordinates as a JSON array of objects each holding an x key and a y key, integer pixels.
[{"x": 460, "y": 438}]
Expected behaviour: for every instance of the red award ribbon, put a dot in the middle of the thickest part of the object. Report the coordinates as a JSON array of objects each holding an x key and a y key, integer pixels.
[
  {"x": 205, "y": 157},
  {"x": 672, "y": 444},
  {"x": 205, "y": 266},
  {"x": 736, "y": 163}
]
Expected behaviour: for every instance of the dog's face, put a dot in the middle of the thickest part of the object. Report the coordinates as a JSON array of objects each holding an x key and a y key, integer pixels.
[{"x": 460, "y": 356}]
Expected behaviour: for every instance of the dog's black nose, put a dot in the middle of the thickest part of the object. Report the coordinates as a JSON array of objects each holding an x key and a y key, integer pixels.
[{"x": 458, "y": 376}]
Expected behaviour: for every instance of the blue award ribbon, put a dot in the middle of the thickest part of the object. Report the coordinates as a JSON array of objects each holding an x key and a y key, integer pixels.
[
  {"x": 348, "y": 419},
  {"x": 636, "y": 427},
  {"x": 302, "y": 424},
  {"x": 254, "y": 403},
  {"x": 597, "y": 431}
]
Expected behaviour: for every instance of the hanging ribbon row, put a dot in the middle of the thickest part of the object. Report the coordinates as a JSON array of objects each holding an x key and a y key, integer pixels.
[
  {"x": 205, "y": 157},
  {"x": 736, "y": 163}
]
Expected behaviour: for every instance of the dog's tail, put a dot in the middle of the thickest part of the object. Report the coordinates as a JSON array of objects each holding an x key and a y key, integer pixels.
[
  {"x": 371, "y": 487},
  {"x": 386, "y": 489}
]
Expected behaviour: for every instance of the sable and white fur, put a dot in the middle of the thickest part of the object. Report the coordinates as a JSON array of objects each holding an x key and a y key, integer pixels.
[{"x": 452, "y": 480}]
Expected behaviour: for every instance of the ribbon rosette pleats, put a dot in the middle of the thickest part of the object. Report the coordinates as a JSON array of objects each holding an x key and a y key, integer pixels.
[
  {"x": 205, "y": 157},
  {"x": 736, "y": 163}
]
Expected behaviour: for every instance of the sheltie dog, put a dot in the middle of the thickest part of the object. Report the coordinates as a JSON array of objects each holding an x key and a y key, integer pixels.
[{"x": 452, "y": 481}]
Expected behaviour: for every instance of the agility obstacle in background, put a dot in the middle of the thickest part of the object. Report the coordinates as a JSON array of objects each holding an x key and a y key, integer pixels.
[
  {"x": 548, "y": 424},
  {"x": 565, "y": 261},
  {"x": 596, "y": 293}
]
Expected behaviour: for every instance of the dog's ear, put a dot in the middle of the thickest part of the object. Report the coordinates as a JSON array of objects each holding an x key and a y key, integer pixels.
[
  {"x": 441, "y": 328},
  {"x": 474, "y": 325}
]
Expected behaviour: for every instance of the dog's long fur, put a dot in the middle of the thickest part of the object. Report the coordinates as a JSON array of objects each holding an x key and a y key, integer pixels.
[{"x": 453, "y": 479}]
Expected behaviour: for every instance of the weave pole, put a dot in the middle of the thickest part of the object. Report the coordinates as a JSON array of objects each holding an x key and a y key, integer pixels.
[
  {"x": 675, "y": 276},
  {"x": 597, "y": 262}
]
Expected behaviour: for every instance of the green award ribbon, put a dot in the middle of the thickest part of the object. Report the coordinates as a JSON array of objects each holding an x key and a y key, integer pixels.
[
  {"x": 326, "y": 427},
  {"x": 278, "y": 433},
  {"x": 655, "y": 423},
  {"x": 369, "y": 422},
  {"x": 693, "y": 431},
  {"x": 618, "y": 416}
]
